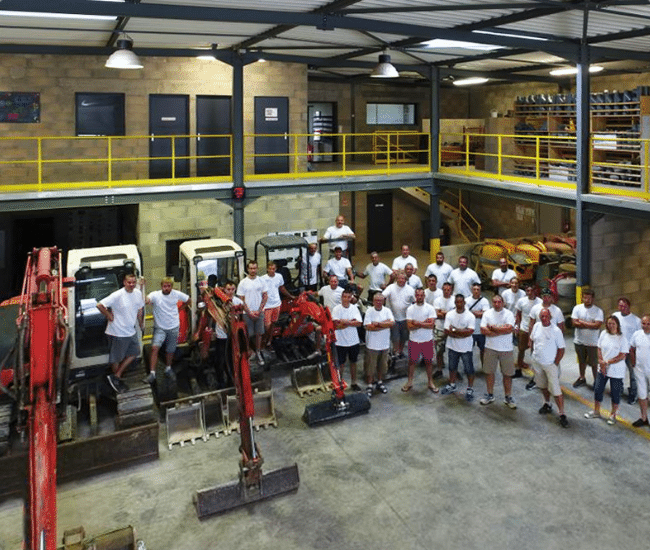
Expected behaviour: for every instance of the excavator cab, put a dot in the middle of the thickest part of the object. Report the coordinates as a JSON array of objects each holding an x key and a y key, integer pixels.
[{"x": 289, "y": 252}]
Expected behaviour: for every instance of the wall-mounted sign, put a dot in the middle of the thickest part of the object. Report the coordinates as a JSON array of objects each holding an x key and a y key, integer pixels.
[
  {"x": 271, "y": 114},
  {"x": 20, "y": 107}
]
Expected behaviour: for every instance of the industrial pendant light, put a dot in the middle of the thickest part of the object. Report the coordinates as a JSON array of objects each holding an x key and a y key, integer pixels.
[
  {"x": 384, "y": 68},
  {"x": 123, "y": 57}
]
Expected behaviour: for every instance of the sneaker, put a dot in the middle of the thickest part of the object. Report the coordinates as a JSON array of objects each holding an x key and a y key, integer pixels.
[
  {"x": 369, "y": 391},
  {"x": 449, "y": 388},
  {"x": 631, "y": 400},
  {"x": 356, "y": 387},
  {"x": 437, "y": 374},
  {"x": 118, "y": 385},
  {"x": 531, "y": 385},
  {"x": 260, "y": 358},
  {"x": 579, "y": 382},
  {"x": 563, "y": 421},
  {"x": 545, "y": 409},
  {"x": 592, "y": 414},
  {"x": 611, "y": 420},
  {"x": 469, "y": 395},
  {"x": 150, "y": 378},
  {"x": 517, "y": 374},
  {"x": 487, "y": 399},
  {"x": 169, "y": 373},
  {"x": 640, "y": 422},
  {"x": 381, "y": 388},
  {"x": 510, "y": 402}
]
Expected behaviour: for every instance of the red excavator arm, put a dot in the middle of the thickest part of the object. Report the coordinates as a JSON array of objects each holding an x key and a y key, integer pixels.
[{"x": 42, "y": 338}]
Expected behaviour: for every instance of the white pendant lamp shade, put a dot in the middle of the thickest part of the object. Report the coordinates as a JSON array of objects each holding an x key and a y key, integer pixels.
[
  {"x": 384, "y": 68},
  {"x": 123, "y": 57}
]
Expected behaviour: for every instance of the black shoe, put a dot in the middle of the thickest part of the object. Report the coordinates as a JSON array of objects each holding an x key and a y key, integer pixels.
[
  {"x": 579, "y": 382},
  {"x": 356, "y": 387},
  {"x": 517, "y": 374},
  {"x": 437, "y": 374},
  {"x": 563, "y": 421},
  {"x": 631, "y": 399},
  {"x": 545, "y": 409},
  {"x": 531, "y": 385},
  {"x": 640, "y": 422},
  {"x": 117, "y": 384},
  {"x": 169, "y": 373}
]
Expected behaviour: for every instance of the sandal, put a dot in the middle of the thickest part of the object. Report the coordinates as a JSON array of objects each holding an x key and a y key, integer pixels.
[
  {"x": 381, "y": 388},
  {"x": 369, "y": 391},
  {"x": 407, "y": 387},
  {"x": 433, "y": 389}
]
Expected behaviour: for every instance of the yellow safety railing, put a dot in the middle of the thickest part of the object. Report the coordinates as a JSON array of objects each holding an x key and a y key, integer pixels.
[
  {"x": 395, "y": 147},
  {"x": 468, "y": 226},
  {"x": 56, "y": 163}
]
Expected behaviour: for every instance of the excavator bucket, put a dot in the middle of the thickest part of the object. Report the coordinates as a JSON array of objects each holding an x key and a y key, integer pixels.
[
  {"x": 233, "y": 495},
  {"x": 120, "y": 539},
  {"x": 185, "y": 423},
  {"x": 264, "y": 411},
  {"x": 307, "y": 380},
  {"x": 214, "y": 414},
  {"x": 332, "y": 410}
]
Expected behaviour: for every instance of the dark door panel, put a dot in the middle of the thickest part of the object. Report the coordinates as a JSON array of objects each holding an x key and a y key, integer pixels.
[
  {"x": 212, "y": 118},
  {"x": 272, "y": 117},
  {"x": 168, "y": 116},
  {"x": 380, "y": 222}
]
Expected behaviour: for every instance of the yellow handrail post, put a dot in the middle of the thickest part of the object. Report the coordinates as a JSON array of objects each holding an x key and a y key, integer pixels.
[
  {"x": 467, "y": 151},
  {"x": 230, "y": 148},
  {"x": 499, "y": 158},
  {"x": 537, "y": 157},
  {"x": 173, "y": 157},
  {"x": 110, "y": 160},
  {"x": 344, "y": 153},
  {"x": 40, "y": 164},
  {"x": 295, "y": 153},
  {"x": 645, "y": 157},
  {"x": 387, "y": 152}
]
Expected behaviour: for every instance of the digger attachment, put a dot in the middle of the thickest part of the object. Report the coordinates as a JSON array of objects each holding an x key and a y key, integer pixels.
[
  {"x": 185, "y": 423},
  {"x": 335, "y": 409},
  {"x": 120, "y": 539},
  {"x": 240, "y": 493},
  {"x": 308, "y": 379},
  {"x": 264, "y": 411}
]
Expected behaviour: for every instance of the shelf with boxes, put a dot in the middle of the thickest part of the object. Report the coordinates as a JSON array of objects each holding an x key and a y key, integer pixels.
[{"x": 545, "y": 127}]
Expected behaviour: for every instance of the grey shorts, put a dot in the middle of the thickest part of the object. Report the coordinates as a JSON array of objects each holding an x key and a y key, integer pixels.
[
  {"x": 399, "y": 332},
  {"x": 503, "y": 358},
  {"x": 255, "y": 327},
  {"x": 169, "y": 337},
  {"x": 122, "y": 347},
  {"x": 587, "y": 355}
]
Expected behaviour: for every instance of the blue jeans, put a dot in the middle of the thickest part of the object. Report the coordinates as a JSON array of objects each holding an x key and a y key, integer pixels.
[
  {"x": 615, "y": 387},
  {"x": 456, "y": 356}
]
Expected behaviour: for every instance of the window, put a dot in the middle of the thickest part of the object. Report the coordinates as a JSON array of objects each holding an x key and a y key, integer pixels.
[
  {"x": 99, "y": 114},
  {"x": 390, "y": 113}
]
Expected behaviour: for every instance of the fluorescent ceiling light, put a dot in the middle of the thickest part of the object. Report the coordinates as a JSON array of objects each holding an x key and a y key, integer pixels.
[
  {"x": 574, "y": 70},
  {"x": 470, "y": 81},
  {"x": 512, "y": 35},
  {"x": 439, "y": 43},
  {"x": 39, "y": 14}
]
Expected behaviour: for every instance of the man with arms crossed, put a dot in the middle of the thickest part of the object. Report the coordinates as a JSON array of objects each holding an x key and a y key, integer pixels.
[
  {"x": 419, "y": 320},
  {"x": 587, "y": 320},
  {"x": 377, "y": 322},
  {"x": 347, "y": 318},
  {"x": 399, "y": 297},
  {"x": 459, "y": 327}
]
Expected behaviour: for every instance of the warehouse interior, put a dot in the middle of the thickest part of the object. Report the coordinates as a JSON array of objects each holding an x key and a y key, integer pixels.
[{"x": 526, "y": 152}]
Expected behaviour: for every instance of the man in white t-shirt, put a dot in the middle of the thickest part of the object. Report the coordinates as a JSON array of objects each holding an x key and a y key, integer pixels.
[
  {"x": 339, "y": 266},
  {"x": 310, "y": 269},
  {"x": 331, "y": 295},
  {"x": 432, "y": 291},
  {"x": 377, "y": 322},
  {"x": 347, "y": 318},
  {"x": 338, "y": 235},
  {"x": 557, "y": 317},
  {"x": 378, "y": 272},
  {"x": 252, "y": 292},
  {"x": 497, "y": 324},
  {"x": 630, "y": 323},
  {"x": 439, "y": 268},
  {"x": 587, "y": 320},
  {"x": 522, "y": 323},
  {"x": 502, "y": 276},
  {"x": 547, "y": 349},
  {"x": 123, "y": 309},
  {"x": 411, "y": 278},
  {"x": 512, "y": 295},
  {"x": 275, "y": 289},
  {"x": 442, "y": 305},
  {"x": 463, "y": 277},
  {"x": 399, "y": 296},
  {"x": 400, "y": 262},
  {"x": 166, "y": 323},
  {"x": 459, "y": 327},
  {"x": 419, "y": 319},
  {"x": 477, "y": 304},
  {"x": 640, "y": 360}
]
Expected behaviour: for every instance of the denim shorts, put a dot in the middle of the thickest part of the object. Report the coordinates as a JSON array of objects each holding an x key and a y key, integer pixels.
[
  {"x": 169, "y": 337},
  {"x": 456, "y": 356}
]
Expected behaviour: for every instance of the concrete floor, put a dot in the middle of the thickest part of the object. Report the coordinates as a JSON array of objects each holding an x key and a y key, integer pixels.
[{"x": 419, "y": 471}]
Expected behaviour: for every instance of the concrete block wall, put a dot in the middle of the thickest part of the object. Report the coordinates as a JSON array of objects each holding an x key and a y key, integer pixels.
[{"x": 619, "y": 258}]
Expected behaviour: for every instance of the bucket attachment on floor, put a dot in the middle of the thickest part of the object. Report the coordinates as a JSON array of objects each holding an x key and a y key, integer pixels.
[
  {"x": 214, "y": 414},
  {"x": 233, "y": 495},
  {"x": 397, "y": 367},
  {"x": 308, "y": 379},
  {"x": 185, "y": 423},
  {"x": 264, "y": 411},
  {"x": 333, "y": 409},
  {"x": 120, "y": 539}
]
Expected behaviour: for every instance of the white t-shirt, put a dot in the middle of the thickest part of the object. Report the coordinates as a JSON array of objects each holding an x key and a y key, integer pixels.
[
  {"x": 378, "y": 339},
  {"x": 503, "y": 277},
  {"x": 399, "y": 298},
  {"x": 463, "y": 281},
  {"x": 524, "y": 305},
  {"x": 273, "y": 285},
  {"x": 313, "y": 261},
  {"x": 414, "y": 281},
  {"x": 482, "y": 305},
  {"x": 441, "y": 272},
  {"x": 610, "y": 346},
  {"x": 330, "y": 297},
  {"x": 586, "y": 336},
  {"x": 420, "y": 313},
  {"x": 430, "y": 296},
  {"x": 125, "y": 306},
  {"x": 334, "y": 232},
  {"x": 400, "y": 262},
  {"x": 377, "y": 274},
  {"x": 348, "y": 336},
  {"x": 443, "y": 304},
  {"x": 557, "y": 316},
  {"x": 510, "y": 299},
  {"x": 251, "y": 291},
  {"x": 462, "y": 320},
  {"x": 165, "y": 308},
  {"x": 546, "y": 342},
  {"x": 501, "y": 342},
  {"x": 630, "y": 323},
  {"x": 641, "y": 342},
  {"x": 338, "y": 267}
]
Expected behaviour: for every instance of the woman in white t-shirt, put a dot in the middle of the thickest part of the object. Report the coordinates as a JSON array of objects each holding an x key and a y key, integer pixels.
[{"x": 612, "y": 350}]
